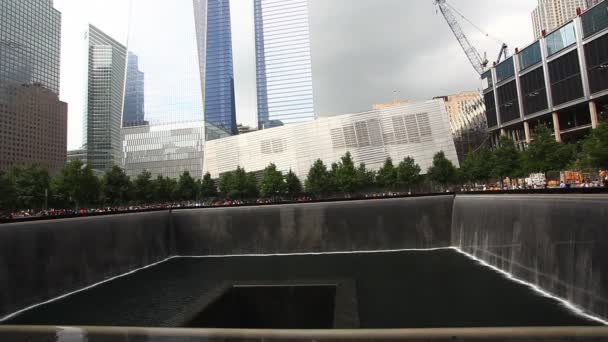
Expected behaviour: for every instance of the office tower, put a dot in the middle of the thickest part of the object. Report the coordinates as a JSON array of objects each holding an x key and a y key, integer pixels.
[
  {"x": 104, "y": 91},
  {"x": 283, "y": 62},
  {"x": 219, "y": 79},
  {"x": 551, "y": 14},
  {"x": 33, "y": 122},
  {"x": 133, "y": 110},
  {"x": 185, "y": 53}
]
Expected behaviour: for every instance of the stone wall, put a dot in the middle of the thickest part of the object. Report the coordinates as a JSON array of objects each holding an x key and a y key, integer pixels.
[
  {"x": 389, "y": 224},
  {"x": 45, "y": 259},
  {"x": 558, "y": 242}
]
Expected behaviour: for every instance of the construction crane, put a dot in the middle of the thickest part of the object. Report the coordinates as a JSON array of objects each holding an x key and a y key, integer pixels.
[{"x": 478, "y": 62}]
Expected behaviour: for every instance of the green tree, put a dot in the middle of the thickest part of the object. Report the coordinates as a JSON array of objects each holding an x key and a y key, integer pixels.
[
  {"x": 506, "y": 160},
  {"x": 251, "y": 186},
  {"x": 7, "y": 193},
  {"x": 478, "y": 166},
  {"x": 164, "y": 189},
  {"x": 143, "y": 187},
  {"x": 293, "y": 185},
  {"x": 238, "y": 184},
  {"x": 187, "y": 187},
  {"x": 387, "y": 175},
  {"x": 208, "y": 188},
  {"x": 408, "y": 173},
  {"x": 365, "y": 178},
  {"x": 31, "y": 184},
  {"x": 318, "y": 181},
  {"x": 345, "y": 174},
  {"x": 76, "y": 185},
  {"x": 595, "y": 148},
  {"x": 272, "y": 183},
  {"x": 442, "y": 171},
  {"x": 546, "y": 154},
  {"x": 116, "y": 186}
]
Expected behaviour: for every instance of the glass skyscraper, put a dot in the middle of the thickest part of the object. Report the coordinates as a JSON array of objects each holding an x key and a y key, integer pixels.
[
  {"x": 219, "y": 79},
  {"x": 133, "y": 110},
  {"x": 184, "y": 67},
  {"x": 30, "y": 42},
  {"x": 283, "y": 62},
  {"x": 33, "y": 122},
  {"x": 103, "y": 100},
  {"x": 185, "y": 53}
]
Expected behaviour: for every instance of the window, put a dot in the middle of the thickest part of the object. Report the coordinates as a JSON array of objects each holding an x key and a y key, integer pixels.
[{"x": 561, "y": 39}]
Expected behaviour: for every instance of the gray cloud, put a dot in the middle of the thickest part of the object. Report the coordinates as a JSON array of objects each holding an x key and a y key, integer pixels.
[{"x": 364, "y": 49}]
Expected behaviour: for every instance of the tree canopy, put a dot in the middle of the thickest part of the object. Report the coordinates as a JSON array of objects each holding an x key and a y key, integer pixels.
[
  {"x": 76, "y": 185},
  {"x": 272, "y": 183},
  {"x": 318, "y": 180},
  {"x": 545, "y": 154},
  {"x": 442, "y": 171}
]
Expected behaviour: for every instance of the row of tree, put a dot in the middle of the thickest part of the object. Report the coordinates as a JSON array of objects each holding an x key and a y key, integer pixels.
[
  {"x": 542, "y": 155},
  {"x": 76, "y": 185}
]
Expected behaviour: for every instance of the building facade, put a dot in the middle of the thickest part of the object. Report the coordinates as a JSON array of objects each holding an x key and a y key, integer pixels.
[
  {"x": 559, "y": 81},
  {"x": 104, "y": 92},
  {"x": 283, "y": 62},
  {"x": 220, "y": 109},
  {"x": 187, "y": 96},
  {"x": 467, "y": 115},
  {"x": 167, "y": 149},
  {"x": 33, "y": 127},
  {"x": 417, "y": 130},
  {"x": 551, "y": 14},
  {"x": 133, "y": 113},
  {"x": 33, "y": 122}
]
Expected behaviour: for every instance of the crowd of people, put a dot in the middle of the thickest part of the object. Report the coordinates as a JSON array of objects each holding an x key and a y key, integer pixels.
[{"x": 50, "y": 213}]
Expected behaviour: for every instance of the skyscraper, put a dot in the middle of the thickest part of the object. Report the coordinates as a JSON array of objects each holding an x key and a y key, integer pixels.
[
  {"x": 283, "y": 62},
  {"x": 133, "y": 110},
  {"x": 185, "y": 53},
  {"x": 103, "y": 100},
  {"x": 551, "y": 14},
  {"x": 219, "y": 79},
  {"x": 33, "y": 122}
]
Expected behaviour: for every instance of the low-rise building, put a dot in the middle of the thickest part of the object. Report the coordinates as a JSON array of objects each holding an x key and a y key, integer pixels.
[
  {"x": 417, "y": 130},
  {"x": 560, "y": 80}
]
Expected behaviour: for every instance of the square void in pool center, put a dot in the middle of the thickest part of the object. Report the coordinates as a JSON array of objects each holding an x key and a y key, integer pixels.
[
  {"x": 275, "y": 305},
  {"x": 270, "y": 307}
]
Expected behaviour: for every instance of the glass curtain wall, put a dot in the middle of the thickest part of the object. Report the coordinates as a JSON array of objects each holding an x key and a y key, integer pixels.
[{"x": 283, "y": 62}]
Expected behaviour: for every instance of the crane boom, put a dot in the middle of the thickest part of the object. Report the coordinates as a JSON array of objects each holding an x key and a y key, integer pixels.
[{"x": 475, "y": 58}]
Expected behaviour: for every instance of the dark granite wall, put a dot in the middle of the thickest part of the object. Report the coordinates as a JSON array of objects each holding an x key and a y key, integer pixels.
[
  {"x": 320, "y": 227},
  {"x": 558, "y": 242},
  {"x": 45, "y": 259}
]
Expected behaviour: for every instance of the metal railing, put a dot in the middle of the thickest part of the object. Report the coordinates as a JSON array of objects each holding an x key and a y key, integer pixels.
[{"x": 92, "y": 334}]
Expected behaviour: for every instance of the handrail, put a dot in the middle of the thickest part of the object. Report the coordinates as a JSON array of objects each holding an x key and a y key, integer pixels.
[{"x": 363, "y": 334}]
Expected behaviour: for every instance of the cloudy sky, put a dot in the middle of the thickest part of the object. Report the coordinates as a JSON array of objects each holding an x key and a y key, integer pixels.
[{"x": 363, "y": 50}]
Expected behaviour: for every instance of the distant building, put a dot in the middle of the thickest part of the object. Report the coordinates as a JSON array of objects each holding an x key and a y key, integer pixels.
[
  {"x": 245, "y": 129},
  {"x": 379, "y": 106},
  {"x": 133, "y": 113},
  {"x": 33, "y": 127},
  {"x": 103, "y": 100},
  {"x": 467, "y": 114},
  {"x": 220, "y": 106},
  {"x": 558, "y": 81},
  {"x": 591, "y": 3},
  {"x": 167, "y": 149},
  {"x": 79, "y": 154},
  {"x": 418, "y": 130},
  {"x": 33, "y": 122},
  {"x": 551, "y": 14},
  {"x": 283, "y": 63}
]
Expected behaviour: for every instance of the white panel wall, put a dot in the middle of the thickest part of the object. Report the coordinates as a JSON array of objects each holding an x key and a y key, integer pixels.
[{"x": 418, "y": 130}]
